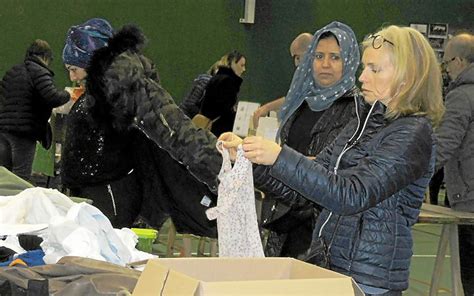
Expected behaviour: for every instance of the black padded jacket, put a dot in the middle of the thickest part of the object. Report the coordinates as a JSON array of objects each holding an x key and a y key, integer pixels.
[{"x": 27, "y": 97}]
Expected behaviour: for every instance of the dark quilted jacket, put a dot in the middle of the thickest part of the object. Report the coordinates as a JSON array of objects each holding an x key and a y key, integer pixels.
[
  {"x": 191, "y": 103},
  {"x": 27, "y": 96},
  {"x": 325, "y": 130},
  {"x": 371, "y": 201}
]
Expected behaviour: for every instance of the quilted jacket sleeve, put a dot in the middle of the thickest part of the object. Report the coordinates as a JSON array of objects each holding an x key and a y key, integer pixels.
[
  {"x": 43, "y": 82},
  {"x": 153, "y": 111},
  {"x": 402, "y": 157},
  {"x": 267, "y": 183}
]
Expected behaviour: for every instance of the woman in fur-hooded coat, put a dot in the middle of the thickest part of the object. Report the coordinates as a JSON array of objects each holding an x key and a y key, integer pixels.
[{"x": 127, "y": 121}]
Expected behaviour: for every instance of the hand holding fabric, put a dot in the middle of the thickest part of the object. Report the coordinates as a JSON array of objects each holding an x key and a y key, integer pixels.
[
  {"x": 261, "y": 151},
  {"x": 230, "y": 141}
]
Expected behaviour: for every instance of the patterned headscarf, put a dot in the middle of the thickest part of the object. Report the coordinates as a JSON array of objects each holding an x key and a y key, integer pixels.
[
  {"x": 303, "y": 86},
  {"x": 82, "y": 40}
]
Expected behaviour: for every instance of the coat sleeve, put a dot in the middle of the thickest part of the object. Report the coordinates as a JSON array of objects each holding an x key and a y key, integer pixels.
[
  {"x": 267, "y": 183},
  {"x": 51, "y": 96},
  {"x": 166, "y": 124},
  {"x": 402, "y": 157},
  {"x": 454, "y": 126},
  {"x": 149, "y": 107}
]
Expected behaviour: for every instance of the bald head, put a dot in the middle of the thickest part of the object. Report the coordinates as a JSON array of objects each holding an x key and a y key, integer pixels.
[
  {"x": 462, "y": 46},
  {"x": 459, "y": 53},
  {"x": 299, "y": 46}
]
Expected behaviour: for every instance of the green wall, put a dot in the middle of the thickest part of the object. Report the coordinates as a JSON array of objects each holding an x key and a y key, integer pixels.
[{"x": 187, "y": 36}]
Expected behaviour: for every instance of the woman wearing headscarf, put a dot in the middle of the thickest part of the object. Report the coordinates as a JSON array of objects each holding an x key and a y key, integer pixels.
[
  {"x": 370, "y": 181},
  {"x": 321, "y": 100},
  {"x": 109, "y": 155},
  {"x": 96, "y": 160}
]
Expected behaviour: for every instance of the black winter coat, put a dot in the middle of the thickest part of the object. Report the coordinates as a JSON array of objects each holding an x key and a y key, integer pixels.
[
  {"x": 371, "y": 194},
  {"x": 176, "y": 161},
  {"x": 27, "y": 97},
  {"x": 220, "y": 100}
]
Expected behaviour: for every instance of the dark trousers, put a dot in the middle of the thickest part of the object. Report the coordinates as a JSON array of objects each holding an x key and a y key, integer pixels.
[
  {"x": 435, "y": 185},
  {"x": 17, "y": 154},
  {"x": 466, "y": 254}
]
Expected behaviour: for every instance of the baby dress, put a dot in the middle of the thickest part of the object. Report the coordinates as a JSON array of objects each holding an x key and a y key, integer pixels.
[{"x": 237, "y": 227}]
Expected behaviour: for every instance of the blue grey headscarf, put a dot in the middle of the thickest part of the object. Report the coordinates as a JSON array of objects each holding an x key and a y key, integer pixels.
[{"x": 303, "y": 87}]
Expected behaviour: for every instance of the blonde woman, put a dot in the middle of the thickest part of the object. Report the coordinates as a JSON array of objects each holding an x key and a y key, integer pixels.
[
  {"x": 220, "y": 99},
  {"x": 370, "y": 181},
  {"x": 191, "y": 103}
]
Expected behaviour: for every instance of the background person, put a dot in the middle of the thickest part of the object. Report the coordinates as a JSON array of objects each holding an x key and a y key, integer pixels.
[
  {"x": 220, "y": 99},
  {"x": 27, "y": 97},
  {"x": 297, "y": 49},
  {"x": 370, "y": 181},
  {"x": 328, "y": 70},
  {"x": 191, "y": 103},
  {"x": 455, "y": 149}
]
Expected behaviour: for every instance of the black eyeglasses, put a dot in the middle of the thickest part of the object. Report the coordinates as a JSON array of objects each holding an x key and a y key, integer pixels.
[
  {"x": 444, "y": 64},
  {"x": 378, "y": 40}
]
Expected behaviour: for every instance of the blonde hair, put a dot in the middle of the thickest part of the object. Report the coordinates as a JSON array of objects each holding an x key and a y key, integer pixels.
[
  {"x": 222, "y": 62},
  {"x": 417, "y": 81}
]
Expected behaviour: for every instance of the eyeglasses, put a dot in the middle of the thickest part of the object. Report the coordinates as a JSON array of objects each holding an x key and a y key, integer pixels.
[
  {"x": 444, "y": 64},
  {"x": 378, "y": 40}
]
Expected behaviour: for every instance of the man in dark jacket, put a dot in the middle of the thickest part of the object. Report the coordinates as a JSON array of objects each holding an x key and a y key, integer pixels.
[
  {"x": 27, "y": 97},
  {"x": 456, "y": 144}
]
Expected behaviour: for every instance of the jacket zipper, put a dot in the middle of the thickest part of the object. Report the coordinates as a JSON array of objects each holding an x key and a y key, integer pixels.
[
  {"x": 346, "y": 148},
  {"x": 111, "y": 193},
  {"x": 165, "y": 123}
]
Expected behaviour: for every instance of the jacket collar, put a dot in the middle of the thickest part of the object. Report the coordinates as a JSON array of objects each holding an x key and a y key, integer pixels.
[
  {"x": 465, "y": 77},
  {"x": 129, "y": 38},
  {"x": 37, "y": 60}
]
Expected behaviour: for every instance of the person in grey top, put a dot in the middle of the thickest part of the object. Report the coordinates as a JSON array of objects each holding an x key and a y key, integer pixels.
[{"x": 455, "y": 151}]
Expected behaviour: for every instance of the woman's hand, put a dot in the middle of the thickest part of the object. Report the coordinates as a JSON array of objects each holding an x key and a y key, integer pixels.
[
  {"x": 230, "y": 141},
  {"x": 261, "y": 151},
  {"x": 260, "y": 112}
]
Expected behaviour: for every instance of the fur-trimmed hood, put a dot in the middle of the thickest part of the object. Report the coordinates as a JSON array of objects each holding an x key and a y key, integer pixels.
[
  {"x": 107, "y": 104},
  {"x": 123, "y": 92},
  {"x": 130, "y": 37}
]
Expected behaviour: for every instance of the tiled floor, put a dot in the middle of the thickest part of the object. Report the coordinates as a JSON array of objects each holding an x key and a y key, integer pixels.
[{"x": 426, "y": 237}]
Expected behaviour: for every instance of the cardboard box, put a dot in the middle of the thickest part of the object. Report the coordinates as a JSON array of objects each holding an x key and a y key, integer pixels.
[{"x": 241, "y": 276}]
